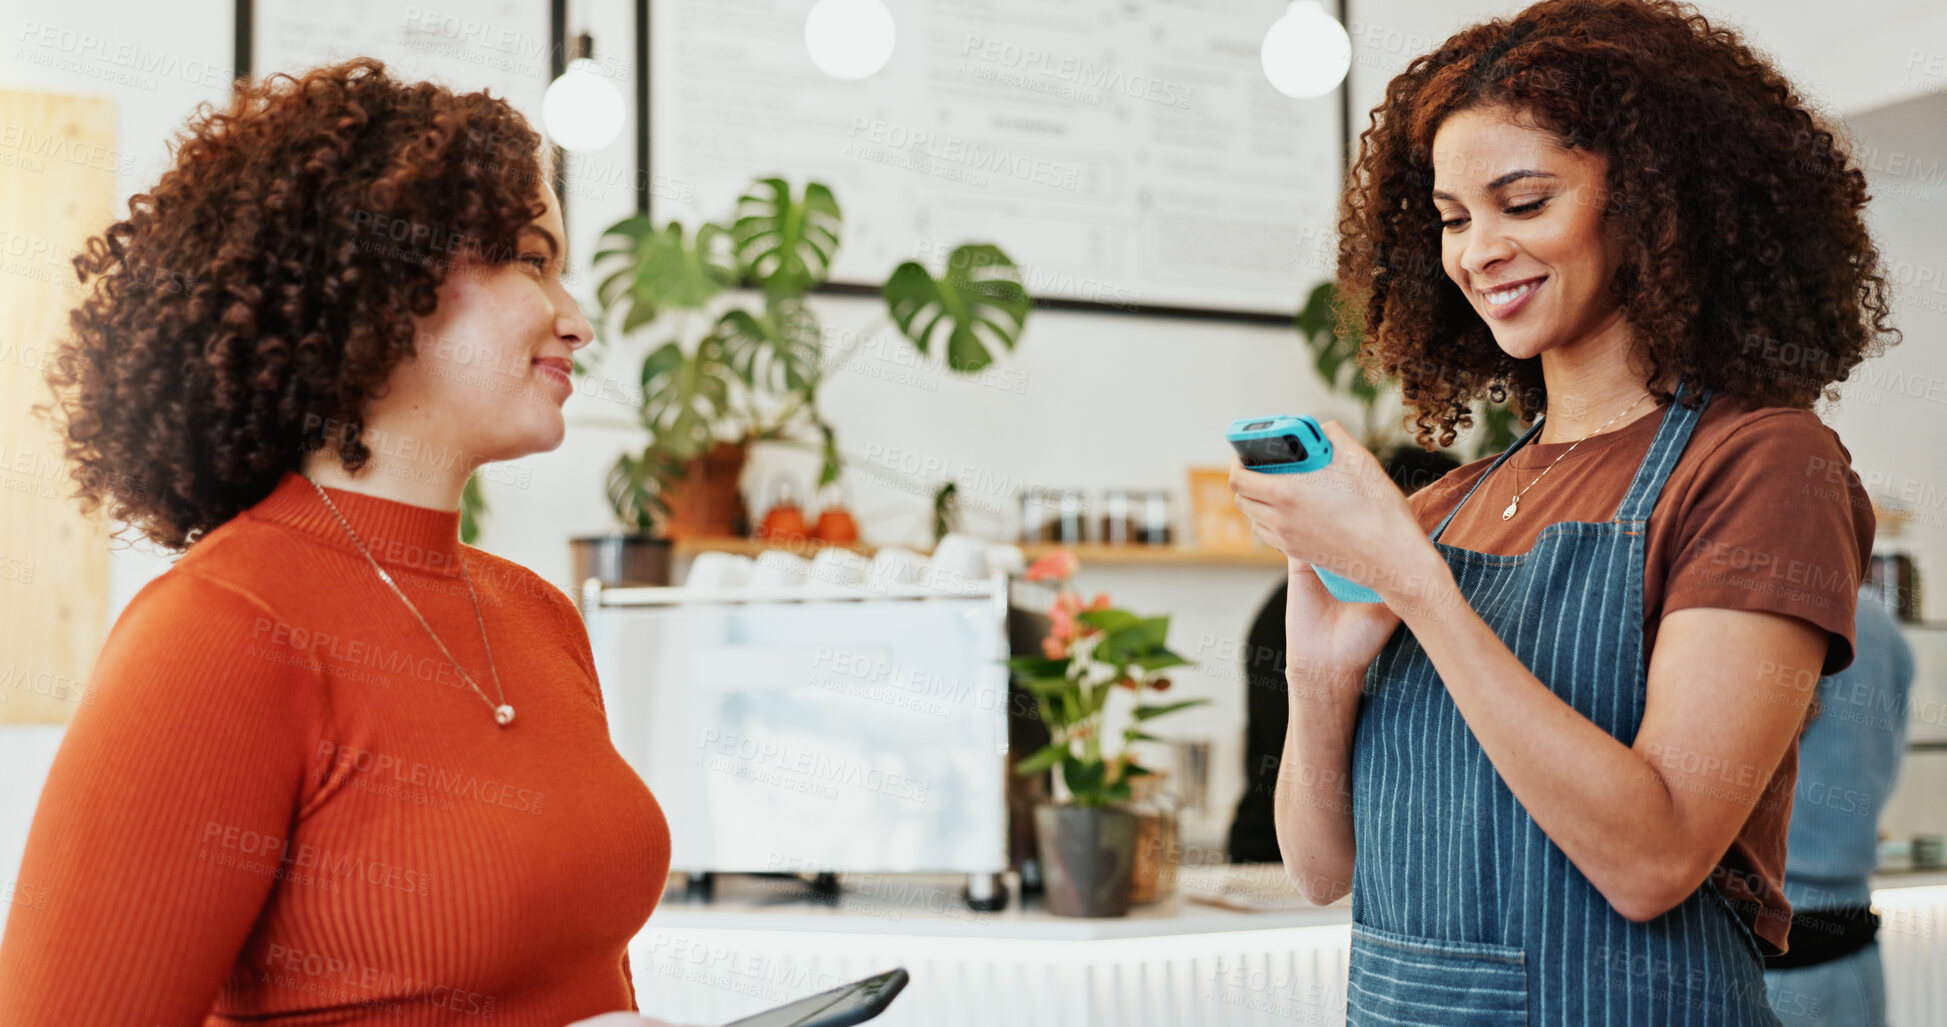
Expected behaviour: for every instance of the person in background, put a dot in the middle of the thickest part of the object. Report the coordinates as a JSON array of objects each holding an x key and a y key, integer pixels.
[{"x": 1848, "y": 758}]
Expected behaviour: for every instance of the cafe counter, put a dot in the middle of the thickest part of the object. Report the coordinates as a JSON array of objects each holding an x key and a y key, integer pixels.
[{"x": 759, "y": 942}]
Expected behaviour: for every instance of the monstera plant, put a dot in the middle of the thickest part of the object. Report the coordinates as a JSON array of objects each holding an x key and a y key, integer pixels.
[{"x": 736, "y": 354}]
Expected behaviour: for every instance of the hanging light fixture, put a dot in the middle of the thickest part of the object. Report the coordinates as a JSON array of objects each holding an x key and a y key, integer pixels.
[
  {"x": 849, "y": 39},
  {"x": 582, "y": 109},
  {"x": 1306, "y": 52}
]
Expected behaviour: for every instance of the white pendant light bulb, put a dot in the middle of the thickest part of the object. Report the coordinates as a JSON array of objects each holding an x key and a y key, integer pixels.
[
  {"x": 582, "y": 109},
  {"x": 1306, "y": 53},
  {"x": 849, "y": 39}
]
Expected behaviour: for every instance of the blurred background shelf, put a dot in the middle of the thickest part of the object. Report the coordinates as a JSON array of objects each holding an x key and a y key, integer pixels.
[{"x": 1088, "y": 553}]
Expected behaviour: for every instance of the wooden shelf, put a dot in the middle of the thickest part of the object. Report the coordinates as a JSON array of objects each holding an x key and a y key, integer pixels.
[
  {"x": 686, "y": 547},
  {"x": 1089, "y": 552}
]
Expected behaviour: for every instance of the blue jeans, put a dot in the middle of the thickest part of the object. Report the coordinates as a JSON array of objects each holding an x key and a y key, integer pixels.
[{"x": 1846, "y": 992}]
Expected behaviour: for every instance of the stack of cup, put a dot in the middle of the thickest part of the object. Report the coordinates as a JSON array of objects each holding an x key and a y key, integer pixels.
[{"x": 960, "y": 563}]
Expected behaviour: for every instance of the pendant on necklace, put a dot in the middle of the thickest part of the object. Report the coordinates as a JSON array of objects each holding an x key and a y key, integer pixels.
[
  {"x": 1509, "y": 512},
  {"x": 503, "y": 715}
]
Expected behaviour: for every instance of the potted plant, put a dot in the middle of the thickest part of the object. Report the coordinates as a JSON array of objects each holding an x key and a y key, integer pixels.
[
  {"x": 1093, "y": 651},
  {"x": 727, "y": 368}
]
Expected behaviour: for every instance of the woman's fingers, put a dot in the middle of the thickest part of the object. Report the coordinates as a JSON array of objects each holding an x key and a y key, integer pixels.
[
  {"x": 1244, "y": 481},
  {"x": 1264, "y": 522}
]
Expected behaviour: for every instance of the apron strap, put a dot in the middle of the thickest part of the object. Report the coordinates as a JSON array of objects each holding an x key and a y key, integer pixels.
[
  {"x": 1671, "y": 438},
  {"x": 1498, "y": 461}
]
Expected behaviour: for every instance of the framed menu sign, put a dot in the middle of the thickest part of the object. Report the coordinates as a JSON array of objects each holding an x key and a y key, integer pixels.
[
  {"x": 1127, "y": 155},
  {"x": 511, "y": 47}
]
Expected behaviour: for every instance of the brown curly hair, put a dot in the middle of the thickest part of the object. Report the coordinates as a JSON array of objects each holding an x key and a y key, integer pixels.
[
  {"x": 263, "y": 291},
  {"x": 1746, "y": 264}
]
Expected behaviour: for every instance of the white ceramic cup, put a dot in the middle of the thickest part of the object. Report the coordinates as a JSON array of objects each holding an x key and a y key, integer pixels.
[
  {"x": 717, "y": 570},
  {"x": 775, "y": 568},
  {"x": 895, "y": 565},
  {"x": 960, "y": 553},
  {"x": 959, "y": 562},
  {"x": 834, "y": 565},
  {"x": 1006, "y": 558}
]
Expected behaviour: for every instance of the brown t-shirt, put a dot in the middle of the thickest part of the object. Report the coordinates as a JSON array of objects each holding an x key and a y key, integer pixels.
[{"x": 1761, "y": 512}]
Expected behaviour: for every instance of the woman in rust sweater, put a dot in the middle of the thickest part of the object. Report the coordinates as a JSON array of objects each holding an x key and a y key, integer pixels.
[{"x": 343, "y": 768}]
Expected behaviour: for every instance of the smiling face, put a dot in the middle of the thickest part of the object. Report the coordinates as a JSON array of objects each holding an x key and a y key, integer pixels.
[
  {"x": 1522, "y": 231},
  {"x": 491, "y": 365}
]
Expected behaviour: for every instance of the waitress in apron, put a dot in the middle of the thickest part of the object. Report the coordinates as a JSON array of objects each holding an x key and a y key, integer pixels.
[{"x": 1554, "y": 798}]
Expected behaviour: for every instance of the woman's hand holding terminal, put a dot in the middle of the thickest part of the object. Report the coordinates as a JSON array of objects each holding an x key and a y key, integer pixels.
[{"x": 1350, "y": 518}]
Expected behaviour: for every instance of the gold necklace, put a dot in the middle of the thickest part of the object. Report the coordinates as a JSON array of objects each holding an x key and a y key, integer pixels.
[
  {"x": 1510, "y": 511},
  {"x": 503, "y": 713}
]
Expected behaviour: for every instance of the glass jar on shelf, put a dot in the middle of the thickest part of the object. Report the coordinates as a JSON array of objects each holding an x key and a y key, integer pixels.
[
  {"x": 1135, "y": 517},
  {"x": 1054, "y": 515}
]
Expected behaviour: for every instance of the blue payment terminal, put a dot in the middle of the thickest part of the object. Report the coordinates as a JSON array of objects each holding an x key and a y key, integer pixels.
[{"x": 1285, "y": 444}]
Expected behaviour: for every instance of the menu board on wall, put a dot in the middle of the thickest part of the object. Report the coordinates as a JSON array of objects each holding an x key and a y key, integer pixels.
[
  {"x": 1123, "y": 152},
  {"x": 501, "y": 45}
]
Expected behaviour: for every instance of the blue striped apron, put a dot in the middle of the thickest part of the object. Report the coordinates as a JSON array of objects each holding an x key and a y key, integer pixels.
[{"x": 1463, "y": 911}]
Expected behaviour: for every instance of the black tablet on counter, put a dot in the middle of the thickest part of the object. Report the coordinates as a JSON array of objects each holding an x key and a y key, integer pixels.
[{"x": 843, "y": 1006}]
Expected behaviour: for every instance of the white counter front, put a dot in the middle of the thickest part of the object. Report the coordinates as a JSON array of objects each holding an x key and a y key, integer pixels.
[{"x": 1176, "y": 963}]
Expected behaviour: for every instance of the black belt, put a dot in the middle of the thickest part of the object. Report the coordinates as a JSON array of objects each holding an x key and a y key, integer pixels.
[{"x": 1822, "y": 935}]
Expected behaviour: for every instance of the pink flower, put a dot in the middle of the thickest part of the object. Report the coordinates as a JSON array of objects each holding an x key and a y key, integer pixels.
[
  {"x": 1059, "y": 565},
  {"x": 1061, "y": 616},
  {"x": 1062, "y": 625}
]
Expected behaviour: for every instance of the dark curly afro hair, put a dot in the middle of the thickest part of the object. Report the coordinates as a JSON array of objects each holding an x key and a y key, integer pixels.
[
  {"x": 1746, "y": 264},
  {"x": 253, "y": 301}
]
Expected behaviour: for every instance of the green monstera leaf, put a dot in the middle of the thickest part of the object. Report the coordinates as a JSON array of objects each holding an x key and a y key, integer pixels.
[
  {"x": 684, "y": 396},
  {"x": 652, "y": 270},
  {"x": 636, "y": 485},
  {"x": 1335, "y": 356},
  {"x": 977, "y": 306},
  {"x": 784, "y": 242},
  {"x": 776, "y": 350}
]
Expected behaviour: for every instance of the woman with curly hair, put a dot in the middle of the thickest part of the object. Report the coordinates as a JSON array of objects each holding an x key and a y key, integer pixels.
[
  {"x": 1553, "y": 767},
  {"x": 307, "y": 793}
]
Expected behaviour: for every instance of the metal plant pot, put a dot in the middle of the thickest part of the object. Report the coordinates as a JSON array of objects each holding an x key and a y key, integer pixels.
[
  {"x": 1087, "y": 853},
  {"x": 621, "y": 559}
]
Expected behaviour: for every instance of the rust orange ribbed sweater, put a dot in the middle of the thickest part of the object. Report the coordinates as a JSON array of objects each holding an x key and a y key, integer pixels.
[{"x": 286, "y": 807}]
